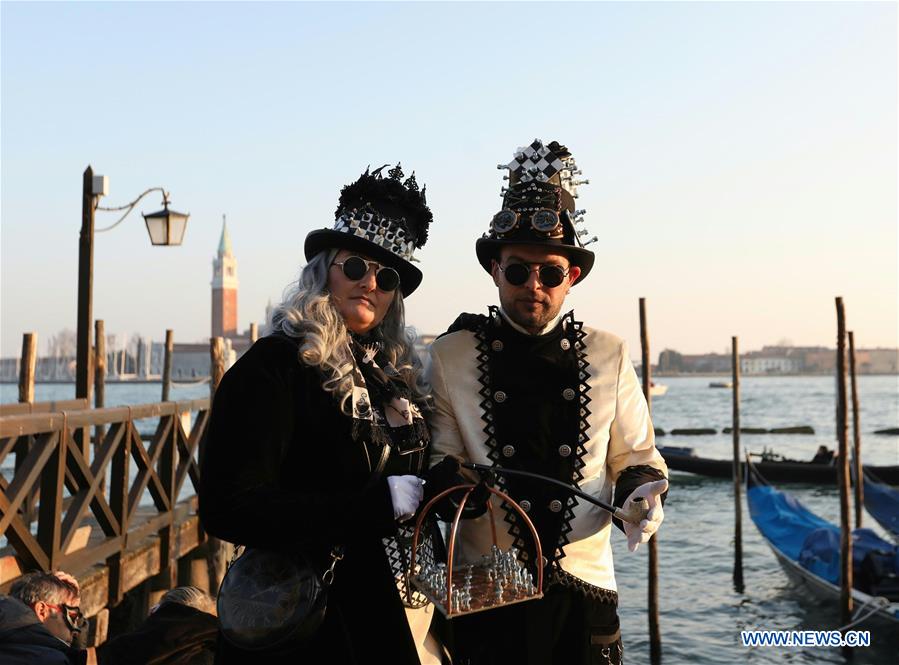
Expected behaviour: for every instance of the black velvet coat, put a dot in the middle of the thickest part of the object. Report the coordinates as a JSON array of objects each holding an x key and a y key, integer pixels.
[
  {"x": 280, "y": 470},
  {"x": 174, "y": 634}
]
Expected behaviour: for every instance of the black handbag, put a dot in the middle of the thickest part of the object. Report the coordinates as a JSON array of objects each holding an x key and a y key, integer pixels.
[{"x": 270, "y": 599}]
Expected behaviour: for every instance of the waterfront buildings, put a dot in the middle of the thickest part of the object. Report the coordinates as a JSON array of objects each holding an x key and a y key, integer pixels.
[{"x": 773, "y": 360}]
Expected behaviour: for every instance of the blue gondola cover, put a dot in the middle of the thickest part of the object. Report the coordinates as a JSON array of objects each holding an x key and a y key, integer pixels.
[{"x": 811, "y": 541}]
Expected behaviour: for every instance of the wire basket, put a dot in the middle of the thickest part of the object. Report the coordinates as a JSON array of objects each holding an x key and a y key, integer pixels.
[{"x": 498, "y": 579}]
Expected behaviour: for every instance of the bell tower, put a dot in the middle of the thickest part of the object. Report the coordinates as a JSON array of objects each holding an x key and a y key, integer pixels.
[{"x": 224, "y": 288}]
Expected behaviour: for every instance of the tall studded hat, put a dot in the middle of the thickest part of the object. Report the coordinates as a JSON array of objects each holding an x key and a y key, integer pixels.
[
  {"x": 385, "y": 218},
  {"x": 538, "y": 207}
]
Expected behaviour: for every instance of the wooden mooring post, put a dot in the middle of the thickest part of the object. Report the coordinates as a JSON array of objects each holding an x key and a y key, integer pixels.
[
  {"x": 219, "y": 551},
  {"x": 167, "y": 577},
  {"x": 100, "y": 388},
  {"x": 99, "y": 364},
  {"x": 843, "y": 474},
  {"x": 738, "y": 508},
  {"x": 254, "y": 332},
  {"x": 655, "y": 637},
  {"x": 167, "y": 362},
  {"x": 167, "y": 365},
  {"x": 27, "y": 367},
  {"x": 856, "y": 438}
]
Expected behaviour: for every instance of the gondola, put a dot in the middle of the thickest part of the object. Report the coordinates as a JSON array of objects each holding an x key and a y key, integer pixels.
[
  {"x": 882, "y": 502},
  {"x": 776, "y": 469},
  {"x": 808, "y": 549}
]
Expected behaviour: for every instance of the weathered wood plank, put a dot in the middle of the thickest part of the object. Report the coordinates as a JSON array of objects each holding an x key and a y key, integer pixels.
[
  {"x": 18, "y": 409},
  {"x": 52, "y": 479},
  {"x": 94, "y": 585},
  {"x": 22, "y": 425},
  {"x": 16, "y": 420}
]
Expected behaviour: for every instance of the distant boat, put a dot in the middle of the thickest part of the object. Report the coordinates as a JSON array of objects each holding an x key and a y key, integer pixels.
[
  {"x": 189, "y": 384},
  {"x": 721, "y": 384},
  {"x": 808, "y": 549},
  {"x": 657, "y": 389},
  {"x": 779, "y": 470}
]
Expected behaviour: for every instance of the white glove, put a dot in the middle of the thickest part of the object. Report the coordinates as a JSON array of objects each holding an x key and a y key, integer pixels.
[
  {"x": 406, "y": 493},
  {"x": 641, "y": 533}
]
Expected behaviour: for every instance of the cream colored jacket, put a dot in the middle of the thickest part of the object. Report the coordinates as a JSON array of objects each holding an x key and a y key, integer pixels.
[{"x": 620, "y": 435}]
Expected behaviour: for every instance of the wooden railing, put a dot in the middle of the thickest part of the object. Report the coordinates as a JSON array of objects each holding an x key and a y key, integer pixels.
[{"x": 86, "y": 501}]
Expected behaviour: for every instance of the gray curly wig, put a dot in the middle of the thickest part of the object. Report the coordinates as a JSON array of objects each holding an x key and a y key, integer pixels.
[{"x": 307, "y": 314}]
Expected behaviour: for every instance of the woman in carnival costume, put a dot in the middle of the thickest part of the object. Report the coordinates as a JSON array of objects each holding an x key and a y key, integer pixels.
[{"x": 317, "y": 435}]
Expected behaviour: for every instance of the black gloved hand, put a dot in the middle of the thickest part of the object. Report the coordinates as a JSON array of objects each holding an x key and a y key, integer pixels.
[{"x": 444, "y": 475}]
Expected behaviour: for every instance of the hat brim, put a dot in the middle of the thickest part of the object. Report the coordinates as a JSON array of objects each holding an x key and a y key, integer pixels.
[
  {"x": 324, "y": 239},
  {"x": 488, "y": 249}
]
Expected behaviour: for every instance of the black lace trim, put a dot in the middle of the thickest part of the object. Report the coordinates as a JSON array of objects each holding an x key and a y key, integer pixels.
[
  {"x": 483, "y": 357},
  {"x": 580, "y": 450},
  {"x": 494, "y": 455},
  {"x": 566, "y": 579}
]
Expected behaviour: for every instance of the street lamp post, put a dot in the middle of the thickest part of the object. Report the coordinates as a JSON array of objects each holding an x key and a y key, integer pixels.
[
  {"x": 165, "y": 227},
  {"x": 83, "y": 366}
]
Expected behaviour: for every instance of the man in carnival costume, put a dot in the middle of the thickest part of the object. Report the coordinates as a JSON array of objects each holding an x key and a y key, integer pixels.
[{"x": 530, "y": 389}]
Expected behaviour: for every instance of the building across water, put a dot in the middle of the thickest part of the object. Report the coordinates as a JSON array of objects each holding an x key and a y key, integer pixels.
[{"x": 778, "y": 360}]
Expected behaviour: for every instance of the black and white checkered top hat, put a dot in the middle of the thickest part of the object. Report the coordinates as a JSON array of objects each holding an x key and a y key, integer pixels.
[
  {"x": 538, "y": 206},
  {"x": 385, "y": 218}
]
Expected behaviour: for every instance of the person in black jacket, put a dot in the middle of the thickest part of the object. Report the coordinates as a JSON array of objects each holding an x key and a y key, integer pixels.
[
  {"x": 25, "y": 641},
  {"x": 40, "y": 619},
  {"x": 317, "y": 434},
  {"x": 181, "y": 630}
]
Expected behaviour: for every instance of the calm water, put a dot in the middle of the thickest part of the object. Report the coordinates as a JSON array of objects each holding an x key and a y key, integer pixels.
[{"x": 701, "y": 614}]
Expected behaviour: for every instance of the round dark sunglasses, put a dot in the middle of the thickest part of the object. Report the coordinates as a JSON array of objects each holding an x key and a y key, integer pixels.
[
  {"x": 355, "y": 268},
  {"x": 550, "y": 274}
]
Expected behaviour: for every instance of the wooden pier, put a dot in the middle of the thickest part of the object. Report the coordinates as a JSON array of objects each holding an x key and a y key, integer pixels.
[{"x": 85, "y": 509}]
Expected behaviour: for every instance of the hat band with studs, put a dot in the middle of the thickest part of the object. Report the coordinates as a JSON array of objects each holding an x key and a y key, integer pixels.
[{"x": 378, "y": 229}]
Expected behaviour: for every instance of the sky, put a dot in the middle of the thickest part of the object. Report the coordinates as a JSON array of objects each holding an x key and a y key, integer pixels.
[{"x": 742, "y": 157}]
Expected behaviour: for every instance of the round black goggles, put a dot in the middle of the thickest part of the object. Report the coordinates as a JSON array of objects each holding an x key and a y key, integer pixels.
[
  {"x": 550, "y": 274},
  {"x": 355, "y": 268}
]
